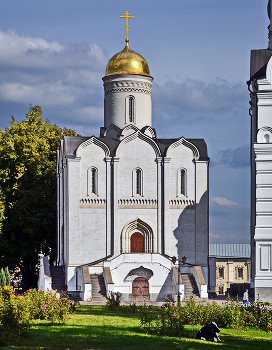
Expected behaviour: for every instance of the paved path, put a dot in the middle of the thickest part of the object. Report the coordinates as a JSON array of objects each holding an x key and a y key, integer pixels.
[{"x": 220, "y": 300}]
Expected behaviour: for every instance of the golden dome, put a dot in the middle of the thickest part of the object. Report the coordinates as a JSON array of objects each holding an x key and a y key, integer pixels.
[{"x": 127, "y": 61}]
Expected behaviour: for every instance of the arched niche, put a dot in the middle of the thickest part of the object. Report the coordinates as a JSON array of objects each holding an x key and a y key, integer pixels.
[{"x": 264, "y": 135}]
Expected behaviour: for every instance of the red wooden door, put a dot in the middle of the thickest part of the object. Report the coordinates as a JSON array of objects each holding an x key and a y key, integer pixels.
[
  {"x": 137, "y": 243},
  {"x": 140, "y": 287}
]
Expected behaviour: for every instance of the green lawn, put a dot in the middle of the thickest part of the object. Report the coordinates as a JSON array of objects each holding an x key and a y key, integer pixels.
[{"x": 96, "y": 328}]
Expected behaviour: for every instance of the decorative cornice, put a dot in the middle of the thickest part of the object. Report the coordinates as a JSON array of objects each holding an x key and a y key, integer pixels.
[
  {"x": 127, "y": 86},
  {"x": 181, "y": 204},
  {"x": 138, "y": 134},
  {"x": 137, "y": 203},
  {"x": 186, "y": 143},
  {"x": 92, "y": 203},
  {"x": 95, "y": 141}
]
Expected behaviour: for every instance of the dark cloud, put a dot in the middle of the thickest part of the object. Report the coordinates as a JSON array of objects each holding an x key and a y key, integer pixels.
[
  {"x": 215, "y": 111},
  {"x": 235, "y": 158},
  {"x": 197, "y": 97}
]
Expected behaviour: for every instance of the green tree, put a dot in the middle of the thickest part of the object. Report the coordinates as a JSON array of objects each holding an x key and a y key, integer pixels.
[
  {"x": 3, "y": 281},
  {"x": 7, "y": 275},
  {"x": 27, "y": 178}
]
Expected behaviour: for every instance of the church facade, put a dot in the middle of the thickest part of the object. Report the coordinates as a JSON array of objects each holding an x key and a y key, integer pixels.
[
  {"x": 260, "y": 86},
  {"x": 128, "y": 201}
]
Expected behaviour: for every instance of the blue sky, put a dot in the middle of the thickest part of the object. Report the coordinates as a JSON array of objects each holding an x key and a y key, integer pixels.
[{"x": 54, "y": 54}]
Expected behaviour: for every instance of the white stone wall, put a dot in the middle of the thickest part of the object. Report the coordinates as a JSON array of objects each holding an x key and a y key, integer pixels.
[
  {"x": 263, "y": 167},
  {"x": 160, "y": 284},
  {"x": 95, "y": 223},
  {"x": 117, "y": 89}
]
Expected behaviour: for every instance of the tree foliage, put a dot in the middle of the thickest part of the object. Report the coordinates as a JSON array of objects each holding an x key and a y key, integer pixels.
[
  {"x": 7, "y": 275},
  {"x": 28, "y": 198},
  {"x": 3, "y": 281}
]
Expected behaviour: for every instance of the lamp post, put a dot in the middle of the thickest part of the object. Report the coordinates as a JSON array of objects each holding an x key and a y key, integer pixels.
[{"x": 183, "y": 261}]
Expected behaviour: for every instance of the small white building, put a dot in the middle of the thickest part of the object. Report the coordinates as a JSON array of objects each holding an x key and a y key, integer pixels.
[
  {"x": 129, "y": 201},
  {"x": 260, "y": 84}
]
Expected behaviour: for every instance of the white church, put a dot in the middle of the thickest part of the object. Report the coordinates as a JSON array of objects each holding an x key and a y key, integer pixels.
[
  {"x": 260, "y": 86},
  {"x": 131, "y": 205}
]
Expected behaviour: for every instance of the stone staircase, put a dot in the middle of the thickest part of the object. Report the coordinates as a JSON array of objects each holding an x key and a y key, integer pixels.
[
  {"x": 98, "y": 288},
  {"x": 190, "y": 286},
  {"x": 58, "y": 278}
]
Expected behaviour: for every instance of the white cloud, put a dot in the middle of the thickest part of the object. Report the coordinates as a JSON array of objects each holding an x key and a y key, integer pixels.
[
  {"x": 64, "y": 80},
  {"x": 226, "y": 202},
  {"x": 13, "y": 44}
]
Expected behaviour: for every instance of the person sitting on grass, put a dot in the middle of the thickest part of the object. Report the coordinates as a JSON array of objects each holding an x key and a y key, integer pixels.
[{"x": 209, "y": 332}]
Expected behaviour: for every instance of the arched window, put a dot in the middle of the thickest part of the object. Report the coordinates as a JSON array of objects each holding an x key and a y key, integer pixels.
[
  {"x": 266, "y": 138},
  {"x": 221, "y": 271},
  {"x": 130, "y": 109},
  {"x": 181, "y": 182},
  {"x": 92, "y": 181},
  {"x": 137, "y": 182}
]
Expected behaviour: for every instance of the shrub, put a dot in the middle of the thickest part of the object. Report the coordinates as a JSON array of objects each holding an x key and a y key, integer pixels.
[
  {"x": 113, "y": 301},
  {"x": 16, "y": 312},
  {"x": 12, "y": 322},
  {"x": 131, "y": 308},
  {"x": 146, "y": 317},
  {"x": 170, "y": 321},
  {"x": 47, "y": 306}
]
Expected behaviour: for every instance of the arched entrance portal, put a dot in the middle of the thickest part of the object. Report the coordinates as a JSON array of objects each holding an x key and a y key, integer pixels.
[
  {"x": 137, "y": 243},
  {"x": 140, "y": 287}
]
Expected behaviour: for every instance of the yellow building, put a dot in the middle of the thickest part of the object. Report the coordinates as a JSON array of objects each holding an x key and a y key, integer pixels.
[{"x": 232, "y": 268}]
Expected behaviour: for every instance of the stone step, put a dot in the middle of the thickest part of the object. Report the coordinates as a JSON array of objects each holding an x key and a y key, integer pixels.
[
  {"x": 190, "y": 286},
  {"x": 58, "y": 278},
  {"x": 98, "y": 288}
]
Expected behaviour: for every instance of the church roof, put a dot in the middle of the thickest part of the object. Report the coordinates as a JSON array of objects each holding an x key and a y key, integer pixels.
[
  {"x": 199, "y": 143},
  {"x": 127, "y": 61},
  {"x": 71, "y": 143},
  {"x": 229, "y": 250}
]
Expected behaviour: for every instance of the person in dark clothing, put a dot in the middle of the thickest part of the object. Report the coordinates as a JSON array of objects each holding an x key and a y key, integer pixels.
[{"x": 209, "y": 332}]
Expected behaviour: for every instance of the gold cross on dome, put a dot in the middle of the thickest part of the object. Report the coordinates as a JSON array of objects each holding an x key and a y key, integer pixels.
[{"x": 126, "y": 17}]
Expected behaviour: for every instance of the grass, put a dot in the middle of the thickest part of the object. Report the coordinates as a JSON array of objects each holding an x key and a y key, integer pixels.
[{"x": 96, "y": 328}]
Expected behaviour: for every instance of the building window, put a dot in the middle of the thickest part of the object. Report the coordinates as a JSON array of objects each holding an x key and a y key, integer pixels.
[
  {"x": 92, "y": 181},
  {"x": 181, "y": 182},
  {"x": 239, "y": 272},
  {"x": 137, "y": 182},
  {"x": 130, "y": 109},
  {"x": 221, "y": 289},
  {"x": 220, "y": 271}
]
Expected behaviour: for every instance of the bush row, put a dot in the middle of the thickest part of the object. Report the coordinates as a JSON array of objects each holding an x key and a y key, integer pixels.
[{"x": 231, "y": 314}]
